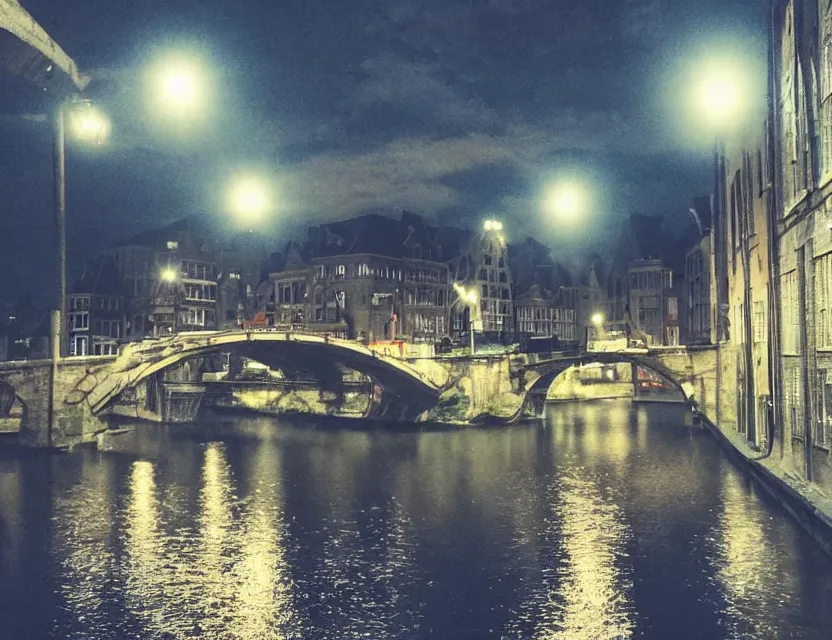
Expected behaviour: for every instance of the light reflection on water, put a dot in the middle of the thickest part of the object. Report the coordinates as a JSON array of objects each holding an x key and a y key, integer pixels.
[{"x": 607, "y": 522}]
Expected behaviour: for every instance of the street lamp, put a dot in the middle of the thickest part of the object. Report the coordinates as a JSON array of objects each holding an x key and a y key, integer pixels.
[
  {"x": 470, "y": 298},
  {"x": 597, "y": 320},
  {"x": 722, "y": 101},
  {"x": 567, "y": 201},
  {"x": 179, "y": 84},
  {"x": 89, "y": 125},
  {"x": 169, "y": 276},
  {"x": 719, "y": 94},
  {"x": 249, "y": 197}
]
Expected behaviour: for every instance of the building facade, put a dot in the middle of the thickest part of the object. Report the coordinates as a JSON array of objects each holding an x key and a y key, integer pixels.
[
  {"x": 653, "y": 303},
  {"x": 698, "y": 309},
  {"x": 493, "y": 280},
  {"x": 96, "y": 311},
  {"x": 383, "y": 279},
  {"x": 173, "y": 282},
  {"x": 801, "y": 110}
]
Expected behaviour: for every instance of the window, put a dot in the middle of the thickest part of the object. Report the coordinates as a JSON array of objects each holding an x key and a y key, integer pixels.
[
  {"x": 340, "y": 271},
  {"x": 759, "y": 320},
  {"x": 824, "y": 424},
  {"x": 823, "y": 293},
  {"x": 789, "y": 313},
  {"x": 173, "y": 245}
]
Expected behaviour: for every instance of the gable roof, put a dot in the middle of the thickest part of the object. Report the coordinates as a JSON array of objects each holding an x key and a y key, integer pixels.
[{"x": 101, "y": 277}]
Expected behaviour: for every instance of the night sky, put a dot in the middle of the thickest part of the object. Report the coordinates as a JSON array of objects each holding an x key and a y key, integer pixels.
[{"x": 456, "y": 110}]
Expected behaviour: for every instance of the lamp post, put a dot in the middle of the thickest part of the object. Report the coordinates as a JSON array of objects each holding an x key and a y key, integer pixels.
[
  {"x": 471, "y": 299},
  {"x": 719, "y": 97},
  {"x": 169, "y": 276},
  {"x": 89, "y": 125},
  {"x": 597, "y": 321}
]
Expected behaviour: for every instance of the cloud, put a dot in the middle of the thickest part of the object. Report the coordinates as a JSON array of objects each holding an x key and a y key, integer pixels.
[{"x": 19, "y": 118}]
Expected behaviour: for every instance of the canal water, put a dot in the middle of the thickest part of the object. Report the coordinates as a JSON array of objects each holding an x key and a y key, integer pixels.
[{"x": 609, "y": 520}]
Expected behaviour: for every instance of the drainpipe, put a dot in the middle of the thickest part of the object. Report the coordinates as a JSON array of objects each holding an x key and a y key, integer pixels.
[
  {"x": 773, "y": 217},
  {"x": 718, "y": 249},
  {"x": 748, "y": 356}
]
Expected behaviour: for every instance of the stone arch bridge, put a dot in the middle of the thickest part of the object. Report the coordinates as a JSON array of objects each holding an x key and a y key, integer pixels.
[
  {"x": 87, "y": 389},
  {"x": 509, "y": 387},
  {"x": 460, "y": 390}
]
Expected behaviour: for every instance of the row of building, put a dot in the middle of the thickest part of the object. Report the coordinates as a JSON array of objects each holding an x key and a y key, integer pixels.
[
  {"x": 759, "y": 280},
  {"x": 374, "y": 278}
]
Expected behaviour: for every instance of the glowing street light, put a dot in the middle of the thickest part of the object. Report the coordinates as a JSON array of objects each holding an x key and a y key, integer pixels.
[
  {"x": 88, "y": 123},
  {"x": 722, "y": 89},
  {"x": 179, "y": 84},
  {"x": 249, "y": 197},
  {"x": 168, "y": 275},
  {"x": 567, "y": 201},
  {"x": 469, "y": 296},
  {"x": 597, "y": 319}
]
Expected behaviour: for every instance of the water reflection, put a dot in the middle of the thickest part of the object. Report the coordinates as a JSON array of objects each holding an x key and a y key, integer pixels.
[
  {"x": 84, "y": 517},
  {"x": 145, "y": 572},
  {"x": 606, "y": 522},
  {"x": 746, "y": 572},
  {"x": 592, "y": 601}
]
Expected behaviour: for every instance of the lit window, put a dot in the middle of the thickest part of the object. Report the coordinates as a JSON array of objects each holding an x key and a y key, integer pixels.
[{"x": 173, "y": 245}]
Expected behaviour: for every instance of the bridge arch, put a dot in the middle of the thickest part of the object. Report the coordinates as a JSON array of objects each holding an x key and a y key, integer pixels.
[
  {"x": 317, "y": 353},
  {"x": 545, "y": 374}
]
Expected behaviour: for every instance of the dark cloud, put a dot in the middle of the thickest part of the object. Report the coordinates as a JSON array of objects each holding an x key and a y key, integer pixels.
[{"x": 454, "y": 109}]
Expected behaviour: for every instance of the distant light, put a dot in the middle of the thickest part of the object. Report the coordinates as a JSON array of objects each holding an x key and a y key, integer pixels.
[
  {"x": 249, "y": 197},
  {"x": 168, "y": 275},
  {"x": 493, "y": 225},
  {"x": 489, "y": 224},
  {"x": 179, "y": 85},
  {"x": 472, "y": 297},
  {"x": 597, "y": 319},
  {"x": 567, "y": 201}
]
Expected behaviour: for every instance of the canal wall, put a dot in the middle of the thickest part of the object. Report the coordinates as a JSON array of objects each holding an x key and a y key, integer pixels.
[{"x": 31, "y": 383}]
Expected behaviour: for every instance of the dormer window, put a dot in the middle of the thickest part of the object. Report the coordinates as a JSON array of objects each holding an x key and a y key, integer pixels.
[{"x": 173, "y": 245}]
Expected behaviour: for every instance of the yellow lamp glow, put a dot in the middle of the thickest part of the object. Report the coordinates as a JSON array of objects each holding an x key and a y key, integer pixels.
[
  {"x": 597, "y": 319},
  {"x": 88, "y": 124},
  {"x": 249, "y": 197},
  {"x": 168, "y": 275},
  {"x": 567, "y": 201},
  {"x": 179, "y": 85}
]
